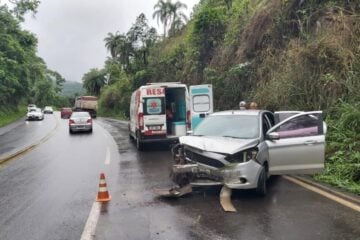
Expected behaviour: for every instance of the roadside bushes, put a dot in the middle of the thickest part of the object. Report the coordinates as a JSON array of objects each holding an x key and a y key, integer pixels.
[
  {"x": 114, "y": 99},
  {"x": 343, "y": 148}
]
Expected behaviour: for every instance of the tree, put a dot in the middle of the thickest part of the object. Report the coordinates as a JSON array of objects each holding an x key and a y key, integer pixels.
[
  {"x": 120, "y": 48},
  {"x": 56, "y": 78},
  {"x": 112, "y": 41},
  {"x": 93, "y": 81},
  {"x": 163, "y": 13},
  {"x": 24, "y": 6},
  {"x": 178, "y": 17},
  {"x": 170, "y": 14},
  {"x": 142, "y": 37},
  {"x": 44, "y": 93}
]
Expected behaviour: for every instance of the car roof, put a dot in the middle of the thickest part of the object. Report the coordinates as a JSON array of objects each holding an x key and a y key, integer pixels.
[{"x": 239, "y": 112}]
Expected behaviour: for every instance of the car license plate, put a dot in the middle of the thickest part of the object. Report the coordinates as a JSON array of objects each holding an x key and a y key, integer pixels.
[{"x": 155, "y": 128}]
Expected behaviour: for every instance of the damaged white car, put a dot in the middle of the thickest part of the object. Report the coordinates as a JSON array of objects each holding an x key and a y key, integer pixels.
[{"x": 241, "y": 149}]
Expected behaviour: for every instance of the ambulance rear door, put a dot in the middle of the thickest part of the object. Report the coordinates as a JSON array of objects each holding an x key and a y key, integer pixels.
[
  {"x": 201, "y": 103},
  {"x": 153, "y": 100}
]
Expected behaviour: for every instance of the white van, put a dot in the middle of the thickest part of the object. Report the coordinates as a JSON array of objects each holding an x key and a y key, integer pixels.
[{"x": 162, "y": 112}]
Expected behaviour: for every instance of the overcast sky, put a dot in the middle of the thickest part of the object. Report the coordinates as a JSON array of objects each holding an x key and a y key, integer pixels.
[{"x": 71, "y": 32}]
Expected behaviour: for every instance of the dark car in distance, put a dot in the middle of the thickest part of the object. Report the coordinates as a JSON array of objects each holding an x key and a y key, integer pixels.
[{"x": 65, "y": 112}]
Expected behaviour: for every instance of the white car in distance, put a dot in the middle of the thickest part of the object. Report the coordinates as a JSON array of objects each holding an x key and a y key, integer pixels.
[{"x": 35, "y": 114}]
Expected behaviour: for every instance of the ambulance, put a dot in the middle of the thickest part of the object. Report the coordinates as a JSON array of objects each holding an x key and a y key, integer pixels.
[{"x": 162, "y": 112}]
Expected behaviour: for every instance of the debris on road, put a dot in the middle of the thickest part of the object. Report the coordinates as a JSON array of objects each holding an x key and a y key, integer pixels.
[
  {"x": 173, "y": 192},
  {"x": 225, "y": 199}
]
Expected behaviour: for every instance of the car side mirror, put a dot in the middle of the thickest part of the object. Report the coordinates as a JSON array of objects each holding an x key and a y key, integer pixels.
[
  {"x": 273, "y": 136},
  {"x": 202, "y": 115}
]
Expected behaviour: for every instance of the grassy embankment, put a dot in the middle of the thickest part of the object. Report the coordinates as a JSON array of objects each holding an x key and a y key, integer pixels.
[{"x": 9, "y": 116}]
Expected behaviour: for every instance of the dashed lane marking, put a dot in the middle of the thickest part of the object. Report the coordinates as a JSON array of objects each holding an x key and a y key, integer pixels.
[
  {"x": 108, "y": 156},
  {"x": 325, "y": 194},
  {"x": 90, "y": 226}
]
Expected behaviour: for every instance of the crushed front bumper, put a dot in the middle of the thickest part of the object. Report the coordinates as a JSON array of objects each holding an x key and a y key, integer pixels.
[{"x": 234, "y": 176}]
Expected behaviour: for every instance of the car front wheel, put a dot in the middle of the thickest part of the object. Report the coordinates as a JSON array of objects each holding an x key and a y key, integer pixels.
[{"x": 261, "y": 186}]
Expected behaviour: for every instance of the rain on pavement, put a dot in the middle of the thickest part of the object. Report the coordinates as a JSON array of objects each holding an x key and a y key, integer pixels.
[{"x": 48, "y": 192}]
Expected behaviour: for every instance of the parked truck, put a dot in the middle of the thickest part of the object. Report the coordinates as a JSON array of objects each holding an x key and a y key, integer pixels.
[{"x": 86, "y": 103}]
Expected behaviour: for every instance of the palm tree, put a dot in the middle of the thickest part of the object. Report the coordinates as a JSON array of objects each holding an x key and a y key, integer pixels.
[
  {"x": 162, "y": 13},
  {"x": 178, "y": 17},
  {"x": 120, "y": 48},
  {"x": 175, "y": 11},
  {"x": 111, "y": 42}
]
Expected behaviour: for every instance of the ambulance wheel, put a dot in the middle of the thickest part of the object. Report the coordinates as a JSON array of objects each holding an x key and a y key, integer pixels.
[{"x": 139, "y": 144}]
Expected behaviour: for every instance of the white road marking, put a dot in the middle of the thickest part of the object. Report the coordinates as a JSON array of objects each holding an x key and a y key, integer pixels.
[
  {"x": 90, "y": 227},
  {"x": 108, "y": 156},
  {"x": 325, "y": 194}
]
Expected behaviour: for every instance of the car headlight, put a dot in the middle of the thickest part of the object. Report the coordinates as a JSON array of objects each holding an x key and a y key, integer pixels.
[{"x": 243, "y": 156}]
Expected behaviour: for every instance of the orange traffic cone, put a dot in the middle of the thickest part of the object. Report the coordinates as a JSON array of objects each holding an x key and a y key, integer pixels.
[{"x": 103, "y": 194}]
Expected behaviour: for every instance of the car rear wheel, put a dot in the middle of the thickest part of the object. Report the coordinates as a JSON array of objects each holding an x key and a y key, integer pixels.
[
  {"x": 261, "y": 186},
  {"x": 139, "y": 144}
]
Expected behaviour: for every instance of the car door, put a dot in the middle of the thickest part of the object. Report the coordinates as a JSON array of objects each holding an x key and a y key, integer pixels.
[
  {"x": 201, "y": 103},
  {"x": 297, "y": 145}
]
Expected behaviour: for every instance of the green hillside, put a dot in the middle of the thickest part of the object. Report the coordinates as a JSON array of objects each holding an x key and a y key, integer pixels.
[{"x": 71, "y": 89}]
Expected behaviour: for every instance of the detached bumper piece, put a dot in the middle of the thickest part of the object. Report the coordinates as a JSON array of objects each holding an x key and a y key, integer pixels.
[{"x": 173, "y": 192}]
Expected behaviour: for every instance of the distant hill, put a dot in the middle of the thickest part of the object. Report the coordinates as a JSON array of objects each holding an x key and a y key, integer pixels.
[{"x": 71, "y": 88}]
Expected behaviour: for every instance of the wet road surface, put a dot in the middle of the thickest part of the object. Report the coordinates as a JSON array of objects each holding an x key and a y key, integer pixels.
[
  {"x": 24, "y": 133},
  {"x": 287, "y": 212},
  {"x": 48, "y": 193}
]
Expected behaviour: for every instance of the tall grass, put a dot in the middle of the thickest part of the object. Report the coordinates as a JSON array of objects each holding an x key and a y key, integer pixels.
[
  {"x": 343, "y": 148},
  {"x": 10, "y": 115}
]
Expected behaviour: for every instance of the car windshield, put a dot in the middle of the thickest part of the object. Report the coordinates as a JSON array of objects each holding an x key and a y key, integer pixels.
[
  {"x": 80, "y": 114},
  {"x": 234, "y": 126}
]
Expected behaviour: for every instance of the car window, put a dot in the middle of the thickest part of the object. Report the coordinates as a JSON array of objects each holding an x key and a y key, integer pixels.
[
  {"x": 154, "y": 106},
  {"x": 201, "y": 103},
  {"x": 80, "y": 114},
  {"x": 236, "y": 126},
  {"x": 305, "y": 125},
  {"x": 281, "y": 116}
]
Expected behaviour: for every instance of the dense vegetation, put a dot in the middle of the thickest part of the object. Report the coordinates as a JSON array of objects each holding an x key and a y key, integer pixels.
[
  {"x": 24, "y": 77},
  {"x": 283, "y": 54}
]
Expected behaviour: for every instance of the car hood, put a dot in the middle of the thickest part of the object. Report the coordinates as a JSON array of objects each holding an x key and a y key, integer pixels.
[{"x": 224, "y": 145}]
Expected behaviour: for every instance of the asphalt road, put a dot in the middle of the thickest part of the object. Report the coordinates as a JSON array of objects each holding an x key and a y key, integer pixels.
[{"x": 48, "y": 192}]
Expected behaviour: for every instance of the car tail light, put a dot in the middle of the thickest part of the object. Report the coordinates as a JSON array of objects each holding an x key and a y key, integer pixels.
[
  {"x": 141, "y": 121},
  {"x": 89, "y": 121},
  {"x": 188, "y": 116},
  {"x": 71, "y": 121}
]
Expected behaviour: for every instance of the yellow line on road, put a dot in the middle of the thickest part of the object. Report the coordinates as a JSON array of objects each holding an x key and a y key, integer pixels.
[
  {"x": 342, "y": 201},
  {"x": 31, "y": 147}
]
